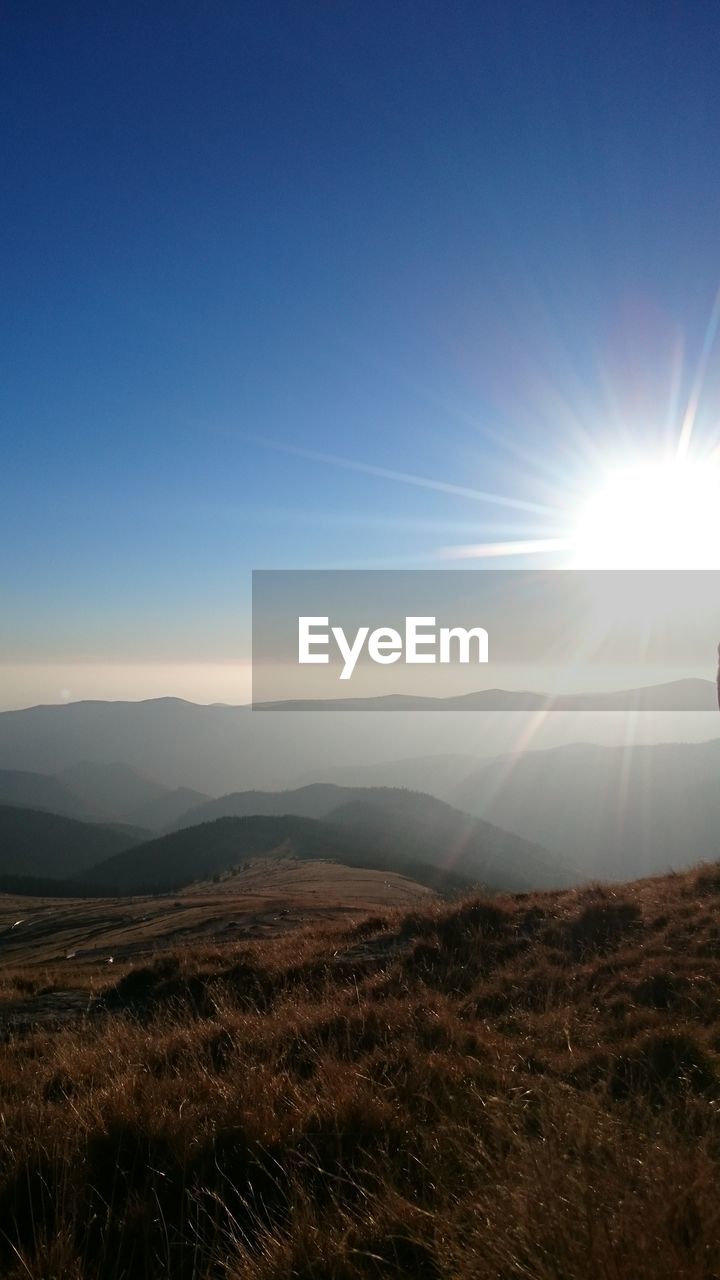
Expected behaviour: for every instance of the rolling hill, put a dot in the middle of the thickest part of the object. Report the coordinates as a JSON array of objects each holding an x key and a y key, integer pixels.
[
  {"x": 40, "y": 791},
  {"x": 111, "y": 790},
  {"x": 97, "y": 792},
  {"x": 316, "y": 800},
  {"x": 41, "y": 921},
  {"x": 408, "y": 823},
  {"x": 617, "y": 812},
  {"x": 387, "y": 829},
  {"x": 395, "y": 819},
  {"x": 36, "y": 843},
  {"x": 201, "y": 852},
  {"x": 221, "y": 749},
  {"x": 166, "y": 810}
]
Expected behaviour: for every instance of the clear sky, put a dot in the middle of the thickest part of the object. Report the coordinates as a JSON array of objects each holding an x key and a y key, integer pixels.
[{"x": 247, "y": 246}]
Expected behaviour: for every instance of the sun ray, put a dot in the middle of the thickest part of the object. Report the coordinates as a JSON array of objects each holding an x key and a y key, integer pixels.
[
  {"x": 409, "y": 478},
  {"x": 689, "y": 419},
  {"x": 497, "y": 550}
]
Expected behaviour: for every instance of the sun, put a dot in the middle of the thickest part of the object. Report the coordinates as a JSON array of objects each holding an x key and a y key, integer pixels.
[{"x": 652, "y": 515}]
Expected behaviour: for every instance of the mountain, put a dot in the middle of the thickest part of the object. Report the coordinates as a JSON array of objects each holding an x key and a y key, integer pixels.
[
  {"x": 220, "y": 749},
  {"x": 39, "y": 791},
  {"x": 199, "y": 852},
  {"x": 35, "y": 843},
  {"x": 608, "y": 811},
  {"x": 96, "y": 792},
  {"x": 675, "y": 695},
  {"x": 166, "y": 738},
  {"x": 398, "y": 831},
  {"x": 617, "y": 812},
  {"x": 111, "y": 790},
  {"x": 315, "y": 800},
  {"x": 436, "y": 774},
  {"x": 392, "y": 822},
  {"x": 175, "y": 743},
  {"x": 166, "y": 810},
  {"x": 403, "y": 822}
]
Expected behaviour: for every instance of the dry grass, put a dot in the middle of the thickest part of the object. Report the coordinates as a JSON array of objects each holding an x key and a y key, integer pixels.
[
  {"x": 263, "y": 897},
  {"x": 525, "y": 1088}
]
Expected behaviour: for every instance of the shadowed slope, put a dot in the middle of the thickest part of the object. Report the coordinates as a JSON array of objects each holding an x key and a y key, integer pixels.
[
  {"x": 34, "y": 843},
  {"x": 400, "y": 831}
]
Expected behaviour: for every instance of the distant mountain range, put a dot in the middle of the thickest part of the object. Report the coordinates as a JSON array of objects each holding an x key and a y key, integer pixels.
[
  {"x": 39, "y": 791},
  {"x": 164, "y": 810},
  {"x": 316, "y": 800},
  {"x": 219, "y": 749},
  {"x": 401, "y": 831},
  {"x": 676, "y": 695},
  {"x": 96, "y": 792},
  {"x": 111, "y": 790},
  {"x": 436, "y": 774},
  {"x": 610, "y": 812},
  {"x": 36, "y": 843},
  {"x": 618, "y": 812},
  {"x": 614, "y": 812}
]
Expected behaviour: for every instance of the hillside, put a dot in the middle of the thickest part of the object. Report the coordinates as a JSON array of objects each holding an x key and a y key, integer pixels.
[
  {"x": 197, "y": 853},
  {"x": 112, "y": 790},
  {"x": 166, "y": 810},
  {"x": 398, "y": 822},
  {"x": 34, "y": 843},
  {"x": 617, "y": 813},
  {"x": 399, "y": 831},
  {"x": 393, "y": 820},
  {"x": 40, "y": 791},
  {"x": 518, "y": 1087},
  {"x": 327, "y": 799},
  {"x": 222, "y": 749},
  {"x": 100, "y": 793},
  {"x": 42, "y": 922},
  {"x": 315, "y": 800}
]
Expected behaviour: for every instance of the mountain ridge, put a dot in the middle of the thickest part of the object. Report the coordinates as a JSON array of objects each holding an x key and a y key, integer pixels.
[
  {"x": 405, "y": 832},
  {"x": 34, "y": 842}
]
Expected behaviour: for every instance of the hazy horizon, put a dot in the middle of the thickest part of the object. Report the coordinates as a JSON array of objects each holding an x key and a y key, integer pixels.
[{"x": 28, "y": 686}]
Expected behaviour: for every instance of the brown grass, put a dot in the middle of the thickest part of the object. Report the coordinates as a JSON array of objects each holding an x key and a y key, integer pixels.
[{"x": 526, "y": 1088}]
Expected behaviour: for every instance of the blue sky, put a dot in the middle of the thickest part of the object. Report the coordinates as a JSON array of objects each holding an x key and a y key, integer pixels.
[{"x": 473, "y": 243}]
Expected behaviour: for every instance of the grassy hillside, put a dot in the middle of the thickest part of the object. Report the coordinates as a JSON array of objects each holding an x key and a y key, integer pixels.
[
  {"x": 266, "y": 897},
  {"x": 520, "y": 1088},
  {"x": 34, "y": 843}
]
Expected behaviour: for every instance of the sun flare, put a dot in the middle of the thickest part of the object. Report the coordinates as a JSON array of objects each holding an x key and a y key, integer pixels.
[{"x": 662, "y": 515}]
